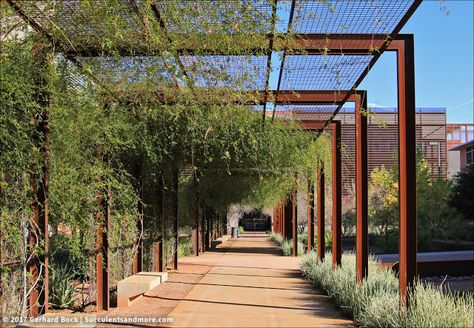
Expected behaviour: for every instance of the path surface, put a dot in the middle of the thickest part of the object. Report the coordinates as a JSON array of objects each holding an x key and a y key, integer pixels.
[{"x": 252, "y": 285}]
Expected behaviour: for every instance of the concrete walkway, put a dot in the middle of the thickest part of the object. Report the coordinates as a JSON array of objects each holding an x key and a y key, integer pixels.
[{"x": 252, "y": 285}]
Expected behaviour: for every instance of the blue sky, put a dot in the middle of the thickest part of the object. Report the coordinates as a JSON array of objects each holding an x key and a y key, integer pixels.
[{"x": 443, "y": 61}]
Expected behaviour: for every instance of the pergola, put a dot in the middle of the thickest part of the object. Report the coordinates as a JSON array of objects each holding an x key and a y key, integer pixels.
[{"x": 326, "y": 49}]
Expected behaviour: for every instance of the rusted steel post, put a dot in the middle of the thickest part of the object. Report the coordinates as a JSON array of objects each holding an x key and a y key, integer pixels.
[
  {"x": 407, "y": 164},
  {"x": 175, "y": 217},
  {"x": 310, "y": 215},
  {"x": 102, "y": 256},
  {"x": 159, "y": 245},
  {"x": 320, "y": 213},
  {"x": 207, "y": 235},
  {"x": 196, "y": 226},
  {"x": 39, "y": 235},
  {"x": 288, "y": 217},
  {"x": 336, "y": 194},
  {"x": 138, "y": 256},
  {"x": 362, "y": 241},
  {"x": 294, "y": 220}
]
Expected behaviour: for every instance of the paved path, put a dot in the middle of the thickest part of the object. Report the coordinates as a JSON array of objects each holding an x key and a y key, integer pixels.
[{"x": 252, "y": 285}]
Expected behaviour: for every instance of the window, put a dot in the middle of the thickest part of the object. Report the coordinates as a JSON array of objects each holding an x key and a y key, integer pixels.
[{"x": 470, "y": 155}]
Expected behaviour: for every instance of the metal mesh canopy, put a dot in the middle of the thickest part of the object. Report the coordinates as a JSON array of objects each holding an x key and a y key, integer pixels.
[
  {"x": 305, "y": 112},
  {"x": 210, "y": 16},
  {"x": 221, "y": 44},
  {"x": 240, "y": 72},
  {"x": 316, "y": 72},
  {"x": 349, "y": 16}
]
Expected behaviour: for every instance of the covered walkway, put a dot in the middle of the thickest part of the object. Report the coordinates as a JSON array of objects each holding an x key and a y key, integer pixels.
[{"x": 244, "y": 282}]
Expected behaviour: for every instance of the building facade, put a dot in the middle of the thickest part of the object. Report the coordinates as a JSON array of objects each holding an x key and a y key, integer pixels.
[{"x": 383, "y": 138}]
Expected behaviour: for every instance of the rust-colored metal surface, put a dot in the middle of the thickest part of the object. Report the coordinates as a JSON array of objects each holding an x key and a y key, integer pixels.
[
  {"x": 336, "y": 194},
  {"x": 362, "y": 240},
  {"x": 310, "y": 216},
  {"x": 294, "y": 221},
  {"x": 102, "y": 256},
  {"x": 321, "y": 211},
  {"x": 404, "y": 46}
]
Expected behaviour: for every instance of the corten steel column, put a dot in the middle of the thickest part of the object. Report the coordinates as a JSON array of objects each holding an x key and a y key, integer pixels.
[
  {"x": 138, "y": 256},
  {"x": 336, "y": 194},
  {"x": 404, "y": 46},
  {"x": 102, "y": 257},
  {"x": 294, "y": 221},
  {"x": 38, "y": 234},
  {"x": 175, "y": 218},
  {"x": 362, "y": 242},
  {"x": 310, "y": 215},
  {"x": 159, "y": 246},
  {"x": 320, "y": 213},
  {"x": 159, "y": 254},
  {"x": 196, "y": 227},
  {"x": 283, "y": 219},
  {"x": 288, "y": 217}
]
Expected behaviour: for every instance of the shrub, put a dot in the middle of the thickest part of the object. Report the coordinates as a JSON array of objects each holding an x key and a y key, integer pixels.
[
  {"x": 241, "y": 230},
  {"x": 185, "y": 247},
  {"x": 286, "y": 245},
  {"x": 375, "y": 301},
  {"x": 61, "y": 292}
]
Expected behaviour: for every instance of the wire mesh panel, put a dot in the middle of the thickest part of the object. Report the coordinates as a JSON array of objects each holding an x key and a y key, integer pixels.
[
  {"x": 239, "y": 72},
  {"x": 349, "y": 16},
  {"x": 209, "y": 16},
  {"x": 305, "y": 112},
  {"x": 323, "y": 72}
]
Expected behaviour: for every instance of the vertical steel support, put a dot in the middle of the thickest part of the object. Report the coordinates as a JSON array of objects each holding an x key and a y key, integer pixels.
[
  {"x": 196, "y": 227},
  {"x": 310, "y": 215},
  {"x": 362, "y": 242},
  {"x": 336, "y": 194},
  {"x": 175, "y": 218},
  {"x": 321, "y": 209},
  {"x": 288, "y": 217},
  {"x": 138, "y": 256},
  {"x": 407, "y": 163},
  {"x": 38, "y": 267},
  {"x": 159, "y": 246},
  {"x": 39, "y": 235},
  {"x": 102, "y": 257},
  {"x": 294, "y": 220}
]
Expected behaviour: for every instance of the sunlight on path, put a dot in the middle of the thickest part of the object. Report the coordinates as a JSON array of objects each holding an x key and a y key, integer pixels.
[{"x": 252, "y": 285}]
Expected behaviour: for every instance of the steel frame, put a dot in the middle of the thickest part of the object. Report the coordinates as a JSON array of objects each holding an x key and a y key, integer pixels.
[{"x": 403, "y": 45}]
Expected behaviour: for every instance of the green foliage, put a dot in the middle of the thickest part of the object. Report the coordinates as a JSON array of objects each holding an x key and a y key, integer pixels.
[
  {"x": 375, "y": 301},
  {"x": 185, "y": 248},
  {"x": 113, "y": 139},
  {"x": 61, "y": 291},
  {"x": 241, "y": 230},
  {"x": 463, "y": 190},
  {"x": 435, "y": 217},
  {"x": 286, "y": 245}
]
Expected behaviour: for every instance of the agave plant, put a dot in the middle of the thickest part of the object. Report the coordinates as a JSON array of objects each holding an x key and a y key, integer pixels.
[{"x": 61, "y": 289}]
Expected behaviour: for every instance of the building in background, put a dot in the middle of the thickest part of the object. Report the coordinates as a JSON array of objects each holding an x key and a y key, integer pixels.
[
  {"x": 382, "y": 137},
  {"x": 459, "y": 137},
  {"x": 465, "y": 153},
  {"x": 459, "y": 133}
]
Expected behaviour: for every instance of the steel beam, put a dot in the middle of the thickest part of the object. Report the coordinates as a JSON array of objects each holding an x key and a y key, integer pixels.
[
  {"x": 336, "y": 194},
  {"x": 310, "y": 216},
  {"x": 320, "y": 213},
  {"x": 362, "y": 240},
  {"x": 407, "y": 163}
]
